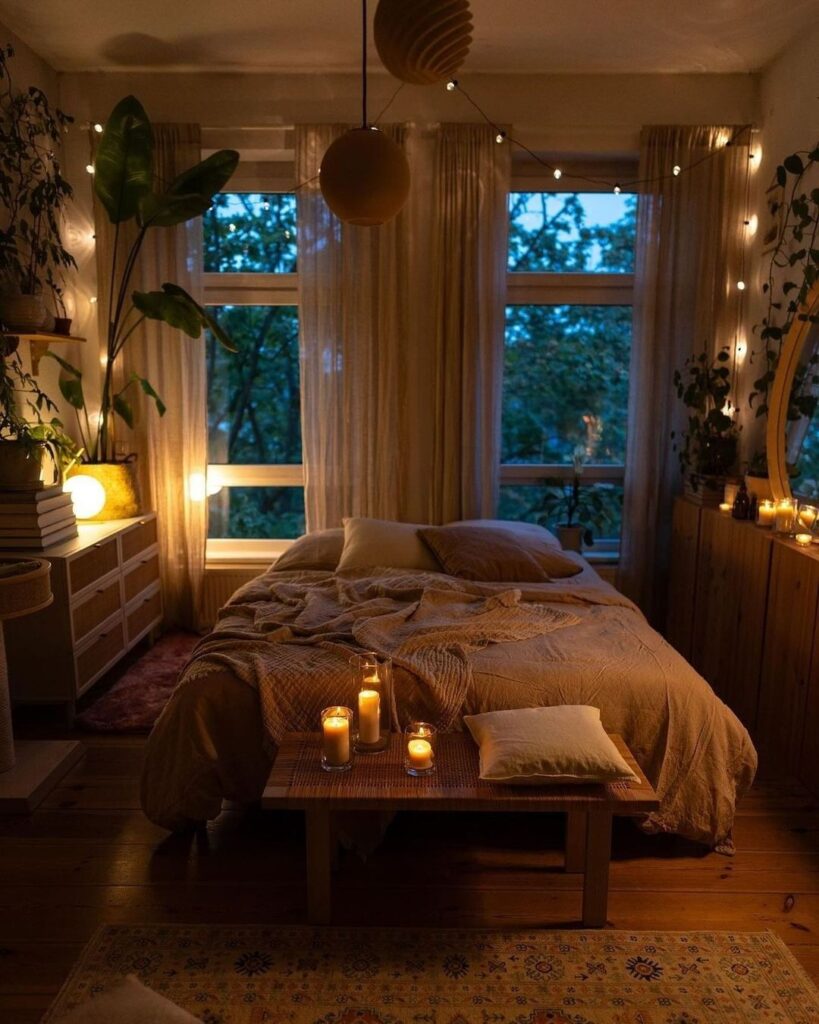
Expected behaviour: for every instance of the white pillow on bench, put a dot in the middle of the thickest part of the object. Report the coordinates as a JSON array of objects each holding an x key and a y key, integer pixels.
[{"x": 541, "y": 746}]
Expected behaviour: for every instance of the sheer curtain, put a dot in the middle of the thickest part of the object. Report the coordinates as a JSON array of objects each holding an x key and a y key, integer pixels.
[
  {"x": 171, "y": 449},
  {"x": 690, "y": 238},
  {"x": 402, "y": 335}
]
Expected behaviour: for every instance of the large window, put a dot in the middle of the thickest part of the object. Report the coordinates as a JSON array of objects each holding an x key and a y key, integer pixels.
[
  {"x": 567, "y": 348},
  {"x": 255, "y": 479}
]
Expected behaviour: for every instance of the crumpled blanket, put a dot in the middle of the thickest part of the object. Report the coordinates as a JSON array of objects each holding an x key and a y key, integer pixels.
[{"x": 283, "y": 628}]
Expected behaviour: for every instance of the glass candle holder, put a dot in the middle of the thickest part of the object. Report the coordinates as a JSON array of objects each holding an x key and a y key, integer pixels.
[
  {"x": 372, "y": 677},
  {"x": 783, "y": 519},
  {"x": 336, "y": 739},
  {"x": 420, "y": 748},
  {"x": 766, "y": 513},
  {"x": 806, "y": 517}
]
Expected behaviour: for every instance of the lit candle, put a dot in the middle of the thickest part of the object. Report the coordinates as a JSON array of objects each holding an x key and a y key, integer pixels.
[
  {"x": 804, "y": 539},
  {"x": 725, "y": 508},
  {"x": 807, "y": 516},
  {"x": 783, "y": 520},
  {"x": 730, "y": 493},
  {"x": 766, "y": 513},
  {"x": 336, "y": 740},
  {"x": 420, "y": 754},
  {"x": 369, "y": 716}
]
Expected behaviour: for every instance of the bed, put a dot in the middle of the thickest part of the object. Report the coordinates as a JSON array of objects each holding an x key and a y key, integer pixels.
[{"x": 279, "y": 654}]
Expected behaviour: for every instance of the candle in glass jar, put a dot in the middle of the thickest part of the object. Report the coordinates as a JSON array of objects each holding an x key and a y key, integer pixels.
[
  {"x": 336, "y": 739},
  {"x": 783, "y": 520},
  {"x": 804, "y": 539},
  {"x": 420, "y": 754},
  {"x": 369, "y": 716},
  {"x": 766, "y": 513},
  {"x": 807, "y": 516}
]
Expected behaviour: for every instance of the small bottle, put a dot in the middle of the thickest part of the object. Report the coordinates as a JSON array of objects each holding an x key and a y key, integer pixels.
[{"x": 742, "y": 503}]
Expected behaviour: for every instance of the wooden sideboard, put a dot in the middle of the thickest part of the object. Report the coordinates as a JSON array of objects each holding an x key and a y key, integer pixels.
[
  {"x": 106, "y": 599},
  {"x": 744, "y": 610}
]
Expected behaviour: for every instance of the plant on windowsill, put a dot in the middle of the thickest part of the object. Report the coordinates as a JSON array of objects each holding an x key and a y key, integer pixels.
[
  {"x": 576, "y": 511},
  {"x": 28, "y": 427},
  {"x": 708, "y": 448},
  {"x": 33, "y": 195},
  {"x": 125, "y": 184}
]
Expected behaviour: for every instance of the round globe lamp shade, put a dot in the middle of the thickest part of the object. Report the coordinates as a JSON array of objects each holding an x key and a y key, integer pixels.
[
  {"x": 364, "y": 177},
  {"x": 88, "y": 495},
  {"x": 425, "y": 41}
]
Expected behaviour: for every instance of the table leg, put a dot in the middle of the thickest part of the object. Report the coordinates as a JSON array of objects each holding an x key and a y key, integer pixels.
[
  {"x": 596, "y": 878},
  {"x": 319, "y": 864},
  {"x": 575, "y": 841}
]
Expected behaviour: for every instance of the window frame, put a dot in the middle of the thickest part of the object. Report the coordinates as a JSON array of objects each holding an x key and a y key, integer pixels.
[
  {"x": 524, "y": 288},
  {"x": 247, "y": 288}
]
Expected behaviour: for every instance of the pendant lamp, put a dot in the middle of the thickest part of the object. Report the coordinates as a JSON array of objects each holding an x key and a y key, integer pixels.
[
  {"x": 425, "y": 41},
  {"x": 364, "y": 175}
]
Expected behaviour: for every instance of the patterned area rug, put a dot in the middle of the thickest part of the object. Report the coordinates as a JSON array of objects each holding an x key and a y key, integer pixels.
[
  {"x": 225, "y": 975},
  {"x": 136, "y": 700}
]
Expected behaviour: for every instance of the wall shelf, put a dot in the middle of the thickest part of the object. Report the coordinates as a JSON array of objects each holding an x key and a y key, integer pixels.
[{"x": 40, "y": 342}]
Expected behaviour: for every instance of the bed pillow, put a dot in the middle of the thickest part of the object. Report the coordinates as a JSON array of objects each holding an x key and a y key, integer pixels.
[
  {"x": 496, "y": 555},
  {"x": 129, "y": 1002},
  {"x": 513, "y": 526},
  {"x": 372, "y": 542},
  {"x": 320, "y": 550},
  {"x": 539, "y": 746}
]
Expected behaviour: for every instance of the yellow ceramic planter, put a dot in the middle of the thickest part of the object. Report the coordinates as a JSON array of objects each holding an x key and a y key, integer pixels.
[{"x": 121, "y": 483}]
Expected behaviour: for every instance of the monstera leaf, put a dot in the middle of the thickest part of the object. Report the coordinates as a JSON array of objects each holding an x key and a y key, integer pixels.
[
  {"x": 123, "y": 166},
  {"x": 175, "y": 307}
]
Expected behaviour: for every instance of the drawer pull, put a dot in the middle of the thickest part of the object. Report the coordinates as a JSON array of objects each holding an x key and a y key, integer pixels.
[
  {"x": 142, "y": 522},
  {"x": 144, "y": 561},
  {"x": 102, "y": 636},
  {"x": 100, "y": 590},
  {"x": 98, "y": 544}
]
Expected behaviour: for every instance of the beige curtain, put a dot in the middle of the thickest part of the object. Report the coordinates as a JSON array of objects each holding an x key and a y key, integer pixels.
[
  {"x": 402, "y": 335},
  {"x": 690, "y": 238},
  {"x": 172, "y": 449}
]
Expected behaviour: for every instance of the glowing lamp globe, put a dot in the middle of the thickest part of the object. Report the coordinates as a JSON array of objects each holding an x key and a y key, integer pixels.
[
  {"x": 425, "y": 41},
  {"x": 87, "y": 494},
  {"x": 364, "y": 177}
]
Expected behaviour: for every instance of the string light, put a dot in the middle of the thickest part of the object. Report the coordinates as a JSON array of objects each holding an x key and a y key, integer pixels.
[
  {"x": 557, "y": 174},
  {"x": 500, "y": 137},
  {"x": 617, "y": 190},
  {"x": 231, "y": 227},
  {"x": 452, "y": 85},
  {"x": 93, "y": 300},
  {"x": 741, "y": 286},
  {"x": 675, "y": 170},
  {"x": 98, "y": 128},
  {"x": 89, "y": 168}
]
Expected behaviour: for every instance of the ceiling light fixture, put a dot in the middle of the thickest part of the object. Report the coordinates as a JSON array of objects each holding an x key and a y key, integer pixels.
[
  {"x": 425, "y": 41},
  {"x": 364, "y": 175}
]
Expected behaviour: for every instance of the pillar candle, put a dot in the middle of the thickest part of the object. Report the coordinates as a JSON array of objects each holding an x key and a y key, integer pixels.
[
  {"x": 336, "y": 739},
  {"x": 766, "y": 513},
  {"x": 369, "y": 716}
]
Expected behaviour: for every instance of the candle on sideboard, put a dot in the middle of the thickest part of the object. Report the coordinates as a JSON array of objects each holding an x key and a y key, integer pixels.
[
  {"x": 419, "y": 753},
  {"x": 369, "y": 716},
  {"x": 725, "y": 507},
  {"x": 765, "y": 513},
  {"x": 730, "y": 494},
  {"x": 783, "y": 519},
  {"x": 804, "y": 539},
  {"x": 807, "y": 516},
  {"x": 336, "y": 739}
]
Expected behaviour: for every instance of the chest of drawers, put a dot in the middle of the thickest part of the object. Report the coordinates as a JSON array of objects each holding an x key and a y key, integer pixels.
[{"x": 106, "y": 599}]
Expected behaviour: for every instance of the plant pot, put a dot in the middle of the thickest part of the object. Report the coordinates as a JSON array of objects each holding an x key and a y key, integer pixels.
[
  {"x": 570, "y": 537},
  {"x": 23, "y": 312},
  {"x": 62, "y": 325},
  {"x": 122, "y": 496},
  {"x": 760, "y": 486},
  {"x": 20, "y": 466},
  {"x": 704, "y": 490}
]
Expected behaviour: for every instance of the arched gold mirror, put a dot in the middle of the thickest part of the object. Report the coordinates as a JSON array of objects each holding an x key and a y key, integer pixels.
[{"x": 795, "y": 442}]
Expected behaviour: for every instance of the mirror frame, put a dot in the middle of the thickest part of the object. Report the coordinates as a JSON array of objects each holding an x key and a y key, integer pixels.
[{"x": 789, "y": 360}]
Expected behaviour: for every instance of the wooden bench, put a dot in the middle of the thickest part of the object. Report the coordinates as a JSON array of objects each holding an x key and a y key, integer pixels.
[{"x": 378, "y": 782}]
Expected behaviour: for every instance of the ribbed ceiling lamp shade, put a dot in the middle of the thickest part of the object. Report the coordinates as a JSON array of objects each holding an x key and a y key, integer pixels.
[
  {"x": 424, "y": 41},
  {"x": 364, "y": 177}
]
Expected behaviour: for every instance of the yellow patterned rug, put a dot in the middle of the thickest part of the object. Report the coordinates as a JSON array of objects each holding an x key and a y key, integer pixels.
[{"x": 253, "y": 975}]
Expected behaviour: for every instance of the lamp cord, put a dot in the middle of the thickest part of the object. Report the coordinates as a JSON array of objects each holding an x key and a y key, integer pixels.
[{"x": 363, "y": 63}]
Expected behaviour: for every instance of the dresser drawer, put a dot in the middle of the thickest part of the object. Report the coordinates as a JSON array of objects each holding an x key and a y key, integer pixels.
[
  {"x": 146, "y": 612},
  {"x": 92, "y": 611},
  {"x": 105, "y": 648},
  {"x": 137, "y": 539},
  {"x": 141, "y": 575},
  {"x": 100, "y": 559}
]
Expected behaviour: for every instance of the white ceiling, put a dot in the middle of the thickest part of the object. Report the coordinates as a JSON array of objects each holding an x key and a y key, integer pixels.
[{"x": 561, "y": 36}]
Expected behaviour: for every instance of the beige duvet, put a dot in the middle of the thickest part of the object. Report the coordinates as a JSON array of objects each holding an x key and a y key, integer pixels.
[{"x": 280, "y": 649}]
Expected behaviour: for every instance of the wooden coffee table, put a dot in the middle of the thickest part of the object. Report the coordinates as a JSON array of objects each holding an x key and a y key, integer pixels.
[{"x": 378, "y": 782}]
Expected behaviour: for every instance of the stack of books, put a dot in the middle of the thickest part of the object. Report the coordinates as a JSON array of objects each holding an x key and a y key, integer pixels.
[{"x": 34, "y": 520}]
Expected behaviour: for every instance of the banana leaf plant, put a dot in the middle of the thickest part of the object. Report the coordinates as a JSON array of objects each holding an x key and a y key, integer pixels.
[{"x": 127, "y": 189}]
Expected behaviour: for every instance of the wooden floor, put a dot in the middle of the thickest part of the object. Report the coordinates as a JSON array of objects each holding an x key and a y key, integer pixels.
[{"x": 88, "y": 856}]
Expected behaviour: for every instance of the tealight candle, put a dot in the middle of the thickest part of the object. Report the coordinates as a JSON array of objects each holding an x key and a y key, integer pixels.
[
  {"x": 804, "y": 539},
  {"x": 419, "y": 753},
  {"x": 765, "y": 513},
  {"x": 335, "y": 739},
  {"x": 725, "y": 507}
]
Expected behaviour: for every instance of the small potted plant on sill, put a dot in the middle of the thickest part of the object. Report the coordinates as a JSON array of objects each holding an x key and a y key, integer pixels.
[
  {"x": 708, "y": 448},
  {"x": 573, "y": 510},
  {"x": 128, "y": 191},
  {"x": 33, "y": 195},
  {"x": 28, "y": 428}
]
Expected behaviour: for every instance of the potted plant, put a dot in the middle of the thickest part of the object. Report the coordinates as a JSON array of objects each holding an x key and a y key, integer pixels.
[
  {"x": 708, "y": 449},
  {"x": 25, "y": 435},
  {"x": 128, "y": 191},
  {"x": 33, "y": 194},
  {"x": 573, "y": 510}
]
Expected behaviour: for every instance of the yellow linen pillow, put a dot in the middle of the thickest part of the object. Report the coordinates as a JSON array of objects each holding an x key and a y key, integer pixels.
[{"x": 539, "y": 746}]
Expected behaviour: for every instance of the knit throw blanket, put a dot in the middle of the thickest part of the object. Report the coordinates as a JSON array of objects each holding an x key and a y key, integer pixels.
[{"x": 291, "y": 636}]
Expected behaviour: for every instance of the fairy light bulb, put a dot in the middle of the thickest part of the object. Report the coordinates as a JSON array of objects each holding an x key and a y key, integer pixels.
[
  {"x": 231, "y": 227},
  {"x": 675, "y": 170},
  {"x": 557, "y": 174},
  {"x": 617, "y": 190},
  {"x": 500, "y": 137},
  {"x": 98, "y": 128},
  {"x": 89, "y": 168},
  {"x": 452, "y": 85},
  {"x": 93, "y": 300},
  {"x": 741, "y": 286}
]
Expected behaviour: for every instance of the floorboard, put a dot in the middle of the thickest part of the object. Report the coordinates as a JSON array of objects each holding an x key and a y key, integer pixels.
[{"x": 88, "y": 857}]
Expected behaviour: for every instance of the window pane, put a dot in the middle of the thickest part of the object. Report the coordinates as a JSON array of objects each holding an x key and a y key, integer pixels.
[
  {"x": 250, "y": 232},
  {"x": 254, "y": 413},
  {"x": 252, "y": 513},
  {"x": 572, "y": 232},
  {"x": 565, "y": 383},
  {"x": 527, "y": 502}
]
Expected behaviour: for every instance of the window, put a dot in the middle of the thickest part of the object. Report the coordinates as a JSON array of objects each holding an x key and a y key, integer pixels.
[
  {"x": 255, "y": 478},
  {"x": 567, "y": 349}
]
